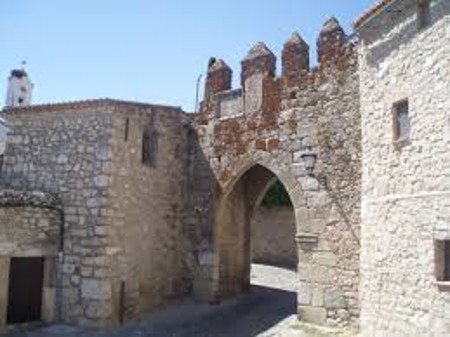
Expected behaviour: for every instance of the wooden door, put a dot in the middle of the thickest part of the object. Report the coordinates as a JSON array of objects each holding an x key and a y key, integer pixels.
[{"x": 25, "y": 289}]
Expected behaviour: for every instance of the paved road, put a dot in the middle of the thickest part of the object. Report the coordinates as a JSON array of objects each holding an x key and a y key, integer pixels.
[{"x": 260, "y": 313}]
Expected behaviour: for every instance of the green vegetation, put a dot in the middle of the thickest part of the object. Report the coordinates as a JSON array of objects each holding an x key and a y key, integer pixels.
[{"x": 277, "y": 196}]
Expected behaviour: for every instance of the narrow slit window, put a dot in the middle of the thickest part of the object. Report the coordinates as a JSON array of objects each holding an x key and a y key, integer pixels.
[
  {"x": 447, "y": 261},
  {"x": 127, "y": 126},
  {"x": 401, "y": 121}
]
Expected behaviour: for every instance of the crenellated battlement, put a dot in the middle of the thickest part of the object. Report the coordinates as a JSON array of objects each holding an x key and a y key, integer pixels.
[{"x": 261, "y": 89}]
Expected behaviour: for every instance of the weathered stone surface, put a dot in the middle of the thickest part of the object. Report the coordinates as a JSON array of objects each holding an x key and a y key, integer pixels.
[
  {"x": 123, "y": 221},
  {"x": 273, "y": 237},
  {"x": 28, "y": 230},
  {"x": 316, "y": 315},
  {"x": 265, "y": 137},
  {"x": 334, "y": 299},
  {"x": 406, "y": 187},
  {"x": 15, "y": 198},
  {"x": 96, "y": 289},
  {"x": 140, "y": 229}
]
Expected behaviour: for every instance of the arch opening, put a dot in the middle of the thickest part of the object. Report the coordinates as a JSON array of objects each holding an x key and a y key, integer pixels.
[{"x": 255, "y": 224}]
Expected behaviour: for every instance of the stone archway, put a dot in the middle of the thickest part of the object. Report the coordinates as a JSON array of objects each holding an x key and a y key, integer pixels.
[{"x": 240, "y": 197}]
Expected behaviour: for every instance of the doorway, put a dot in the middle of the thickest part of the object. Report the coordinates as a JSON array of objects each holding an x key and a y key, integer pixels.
[{"x": 25, "y": 289}]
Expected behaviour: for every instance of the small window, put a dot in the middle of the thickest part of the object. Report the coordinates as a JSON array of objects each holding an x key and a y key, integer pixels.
[
  {"x": 447, "y": 261},
  {"x": 127, "y": 126},
  {"x": 401, "y": 121},
  {"x": 149, "y": 147},
  {"x": 423, "y": 14},
  {"x": 442, "y": 260}
]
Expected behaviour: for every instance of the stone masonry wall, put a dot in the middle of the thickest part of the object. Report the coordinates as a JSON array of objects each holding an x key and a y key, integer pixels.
[
  {"x": 406, "y": 185},
  {"x": 28, "y": 231},
  {"x": 279, "y": 120},
  {"x": 272, "y": 237},
  {"x": 66, "y": 150},
  {"x": 150, "y": 210}
]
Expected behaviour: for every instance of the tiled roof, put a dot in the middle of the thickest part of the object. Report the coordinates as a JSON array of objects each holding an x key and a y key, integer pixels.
[
  {"x": 85, "y": 104},
  {"x": 371, "y": 12}
]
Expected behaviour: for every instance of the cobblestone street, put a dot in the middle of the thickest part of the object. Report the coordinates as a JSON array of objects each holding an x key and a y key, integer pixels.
[{"x": 268, "y": 310}]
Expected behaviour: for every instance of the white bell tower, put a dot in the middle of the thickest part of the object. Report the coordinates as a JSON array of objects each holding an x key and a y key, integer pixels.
[{"x": 19, "y": 89}]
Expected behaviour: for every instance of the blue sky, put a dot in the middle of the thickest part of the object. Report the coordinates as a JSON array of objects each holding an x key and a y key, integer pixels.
[{"x": 147, "y": 50}]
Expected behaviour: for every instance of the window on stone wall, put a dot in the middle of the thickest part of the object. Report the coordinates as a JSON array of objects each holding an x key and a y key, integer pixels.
[
  {"x": 442, "y": 260},
  {"x": 423, "y": 14},
  {"x": 447, "y": 261},
  {"x": 401, "y": 120},
  {"x": 149, "y": 147},
  {"x": 127, "y": 127}
]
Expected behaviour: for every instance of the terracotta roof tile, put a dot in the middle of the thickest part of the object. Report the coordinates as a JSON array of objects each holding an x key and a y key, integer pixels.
[{"x": 371, "y": 12}]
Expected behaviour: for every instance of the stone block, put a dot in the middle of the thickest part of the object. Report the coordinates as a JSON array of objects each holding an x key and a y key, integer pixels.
[
  {"x": 320, "y": 274},
  {"x": 48, "y": 304},
  {"x": 334, "y": 299},
  {"x": 101, "y": 181},
  {"x": 310, "y": 314},
  {"x": 324, "y": 258},
  {"x": 317, "y": 295},
  {"x": 96, "y": 289},
  {"x": 310, "y": 184},
  {"x": 304, "y": 296},
  {"x": 98, "y": 310}
]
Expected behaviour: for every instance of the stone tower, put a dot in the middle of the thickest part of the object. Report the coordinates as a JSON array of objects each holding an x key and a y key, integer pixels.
[{"x": 19, "y": 89}]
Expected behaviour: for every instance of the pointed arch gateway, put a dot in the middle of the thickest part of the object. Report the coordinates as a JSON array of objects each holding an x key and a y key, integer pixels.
[{"x": 241, "y": 196}]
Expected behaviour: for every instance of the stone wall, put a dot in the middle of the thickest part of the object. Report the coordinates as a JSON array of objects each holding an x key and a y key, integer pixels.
[
  {"x": 150, "y": 208},
  {"x": 125, "y": 246},
  {"x": 29, "y": 230},
  {"x": 130, "y": 227},
  {"x": 278, "y": 121},
  {"x": 65, "y": 149},
  {"x": 406, "y": 187},
  {"x": 272, "y": 237},
  {"x": 30, "y": 226}
]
